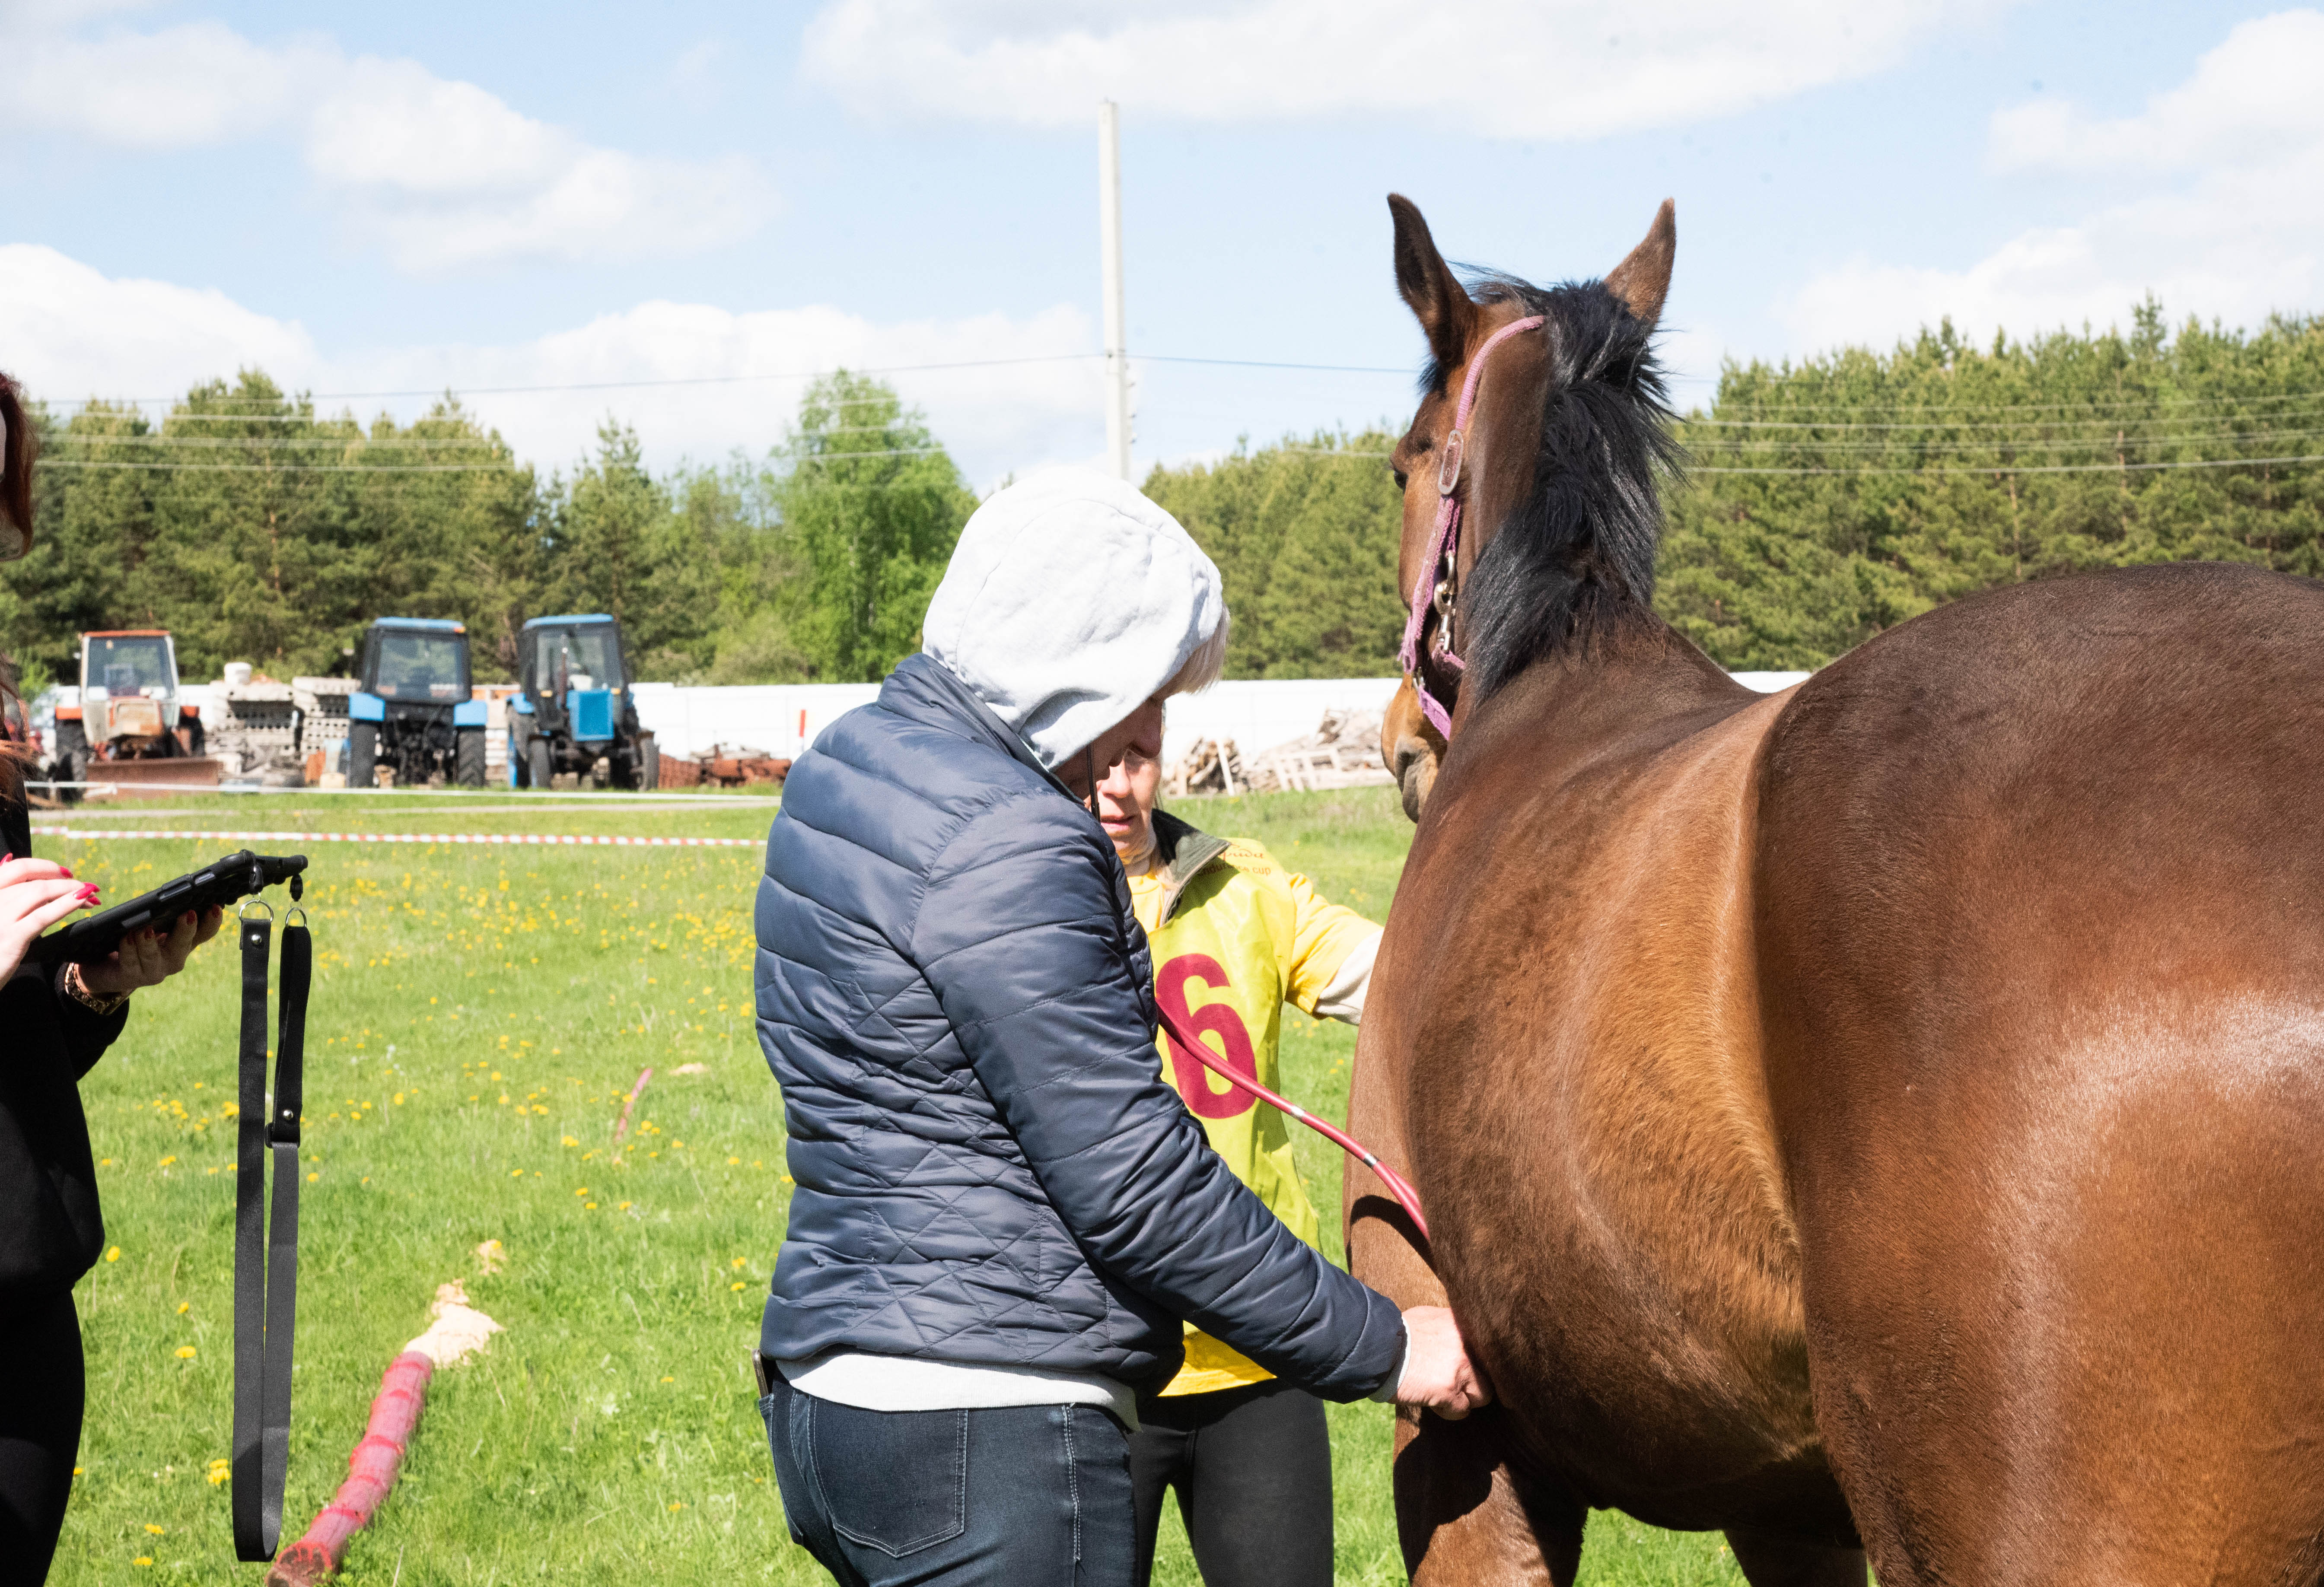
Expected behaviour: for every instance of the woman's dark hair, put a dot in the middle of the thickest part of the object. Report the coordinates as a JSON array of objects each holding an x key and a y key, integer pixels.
[
  {"x": 18, "y": 748},
  {"x": 16, "y": 460}
]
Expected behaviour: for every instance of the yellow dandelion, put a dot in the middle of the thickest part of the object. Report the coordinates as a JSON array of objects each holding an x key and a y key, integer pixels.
[
  {"x": 312, "y": 1178},
  {"x": 734, "y": 1162},
  {"x": 569, "y": 1140},
  {"x": 157, "y": 1531},
  {"x": 167, "y": 1162},
  {"x": 113, "y": 1255},
  {"x": 143, "y": 1559},
  {"x": 589, "y": 1207},
  {"x": 675, "y": 1504},
  {"x": 184, "y": 1306},
  {"x": 669, "y": 1380},
  {"x": 516, "y": 1173},
  {"x": 738, "y": 1284},
  {"x": 185, "y": 1353},
  {"x": 583, "y": 1191}
]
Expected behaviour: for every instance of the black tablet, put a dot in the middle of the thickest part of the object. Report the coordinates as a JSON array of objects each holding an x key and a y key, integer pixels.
[{"x": 214, "y": 886}]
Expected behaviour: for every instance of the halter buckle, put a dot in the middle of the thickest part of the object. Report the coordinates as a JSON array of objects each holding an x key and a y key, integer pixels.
[{"x": 1448, "y": 471}]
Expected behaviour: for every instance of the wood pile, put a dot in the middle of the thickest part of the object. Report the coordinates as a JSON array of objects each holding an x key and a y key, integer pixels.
[
  {"x": 1343, "y": 752},
  {"x": 1212, "y": 767}
]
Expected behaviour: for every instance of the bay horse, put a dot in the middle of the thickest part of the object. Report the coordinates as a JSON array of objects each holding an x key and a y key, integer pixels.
[{"x": 1885, "y": 1116}]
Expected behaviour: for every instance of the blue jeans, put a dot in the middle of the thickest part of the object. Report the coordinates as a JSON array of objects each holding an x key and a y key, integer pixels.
[{"x": 1014, "y": 1496}]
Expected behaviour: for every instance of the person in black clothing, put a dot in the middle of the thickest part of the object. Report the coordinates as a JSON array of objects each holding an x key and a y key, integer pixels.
[{"x": 53, "y": 1026}]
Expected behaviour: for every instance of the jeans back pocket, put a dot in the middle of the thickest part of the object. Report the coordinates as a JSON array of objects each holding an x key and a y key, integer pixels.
[{"x": 894, "y": 1480}]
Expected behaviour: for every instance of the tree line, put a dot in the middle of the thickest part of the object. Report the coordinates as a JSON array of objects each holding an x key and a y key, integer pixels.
[
  {"x": 1821, "y": 503},
  {"x": 255, "y": 529}
]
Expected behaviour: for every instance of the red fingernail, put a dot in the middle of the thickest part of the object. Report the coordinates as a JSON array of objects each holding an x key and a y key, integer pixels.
[
  {"x": 87, "y": 891},
  {"x": 66, "y": 869}
]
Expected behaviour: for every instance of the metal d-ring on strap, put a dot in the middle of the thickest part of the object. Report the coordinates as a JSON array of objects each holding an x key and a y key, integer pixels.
[
  {"x": 267, "y": 1250},
  {"x": 1437, "y": 583}
]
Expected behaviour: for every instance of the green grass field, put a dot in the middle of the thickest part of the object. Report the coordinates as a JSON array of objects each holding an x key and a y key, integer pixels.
[{"x": 477, "y": 1016}]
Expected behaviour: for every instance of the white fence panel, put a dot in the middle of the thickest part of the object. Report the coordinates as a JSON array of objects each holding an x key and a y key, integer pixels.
[{"x": 1258, "y": 714}]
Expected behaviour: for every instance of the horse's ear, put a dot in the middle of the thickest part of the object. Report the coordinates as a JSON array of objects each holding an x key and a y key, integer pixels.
[
  {"x": 1643, "y": 280},
  {"x": 1442, "y": 305}
]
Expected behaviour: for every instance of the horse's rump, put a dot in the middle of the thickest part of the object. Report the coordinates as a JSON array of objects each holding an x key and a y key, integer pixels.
[{"x": 2040, "y": 918}]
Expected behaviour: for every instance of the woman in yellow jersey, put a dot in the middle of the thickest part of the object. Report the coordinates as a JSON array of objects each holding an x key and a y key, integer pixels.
[{"x": 1234, "y": 937}]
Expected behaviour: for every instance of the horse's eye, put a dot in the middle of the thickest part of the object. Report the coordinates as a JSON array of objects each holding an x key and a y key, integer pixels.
[{"x": 1399, "y": 477}]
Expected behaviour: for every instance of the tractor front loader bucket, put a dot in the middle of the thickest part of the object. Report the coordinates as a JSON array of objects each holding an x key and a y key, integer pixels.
[{"x": 166, "y": 774}]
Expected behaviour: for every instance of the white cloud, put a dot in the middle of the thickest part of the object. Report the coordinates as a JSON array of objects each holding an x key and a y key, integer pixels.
[
  {"x": 440, "y": 173},
  {"x": 1515, "y": 68},
  {"x": 2208, "y": 213},
  {"x": 446, "y": 174},
  {"x": 200, "y": 83},
  {"x": 993, "y": 419},
  {"x": 72, "y": 333}
]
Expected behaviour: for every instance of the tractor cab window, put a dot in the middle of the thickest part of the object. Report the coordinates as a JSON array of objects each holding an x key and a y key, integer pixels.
[
  {"x": 592, "y": 653},
  {"x": 123, "y": 668},
  {"x": 420, "y": 667}
]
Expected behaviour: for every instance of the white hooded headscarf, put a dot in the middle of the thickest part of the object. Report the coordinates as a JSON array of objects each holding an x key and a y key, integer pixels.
[{"x": 1070, "y": 600}]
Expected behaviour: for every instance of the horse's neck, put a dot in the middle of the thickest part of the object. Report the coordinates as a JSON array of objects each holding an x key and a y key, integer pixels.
[{"x": 1631, "y": 684}]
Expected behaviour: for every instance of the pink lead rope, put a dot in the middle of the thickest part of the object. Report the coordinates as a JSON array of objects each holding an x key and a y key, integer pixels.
[
  {"x": 1446, "y": 541},
  {"x": 1406, "y": 1196}
]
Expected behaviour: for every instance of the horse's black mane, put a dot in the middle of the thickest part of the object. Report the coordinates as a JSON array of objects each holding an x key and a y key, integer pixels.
[{"x": 1578, "y": 555}]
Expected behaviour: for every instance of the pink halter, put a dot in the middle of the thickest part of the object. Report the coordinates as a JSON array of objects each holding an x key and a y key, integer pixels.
[{"x": 1444, "y": 547}]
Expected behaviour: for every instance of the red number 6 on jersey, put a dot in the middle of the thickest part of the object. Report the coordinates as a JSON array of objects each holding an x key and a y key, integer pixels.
[{"x": 1210, "y": 1019}]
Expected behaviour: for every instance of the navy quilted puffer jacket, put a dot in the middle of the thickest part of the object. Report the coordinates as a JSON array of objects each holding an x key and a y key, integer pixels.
[{"x": 958, "y": 1005}]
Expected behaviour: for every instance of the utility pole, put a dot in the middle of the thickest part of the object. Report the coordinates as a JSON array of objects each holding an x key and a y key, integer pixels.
[{"x": 1108, "y": 231}]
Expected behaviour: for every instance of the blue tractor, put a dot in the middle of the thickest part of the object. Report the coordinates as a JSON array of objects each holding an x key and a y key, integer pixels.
[
  {"x": 410, "y": 709},
  {"x": 576, "y": 712}
]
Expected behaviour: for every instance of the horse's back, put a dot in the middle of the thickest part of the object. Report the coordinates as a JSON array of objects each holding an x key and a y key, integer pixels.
[{"x": 2040, "y": 918}]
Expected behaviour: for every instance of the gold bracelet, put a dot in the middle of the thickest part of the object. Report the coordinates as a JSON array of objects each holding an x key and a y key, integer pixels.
[{"x": 77, "y": 989}]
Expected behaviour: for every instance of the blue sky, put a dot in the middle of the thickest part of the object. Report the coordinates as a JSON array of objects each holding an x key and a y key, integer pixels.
[{"x": 432, "y": 194}]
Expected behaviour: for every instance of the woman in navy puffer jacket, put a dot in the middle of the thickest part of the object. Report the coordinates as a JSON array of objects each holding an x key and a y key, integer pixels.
[{"x": 1002, "y": 1214}]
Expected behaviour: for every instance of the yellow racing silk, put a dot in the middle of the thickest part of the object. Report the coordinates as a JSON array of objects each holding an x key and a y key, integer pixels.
[{"x": 1234, "y": 937}]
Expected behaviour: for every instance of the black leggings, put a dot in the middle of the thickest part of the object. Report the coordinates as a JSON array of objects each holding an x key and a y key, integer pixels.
[
  {"x": 40, "y": 1390},
  {"x": 1252, "y": 1468}
]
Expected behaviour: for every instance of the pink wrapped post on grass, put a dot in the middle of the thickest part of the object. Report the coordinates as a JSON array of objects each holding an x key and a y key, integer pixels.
[{"x": 371, "y": 1471}]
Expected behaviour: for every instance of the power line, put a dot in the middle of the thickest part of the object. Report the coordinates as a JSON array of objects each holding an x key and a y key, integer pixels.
[
  {"x": 2091, "y": 443},
  {"x": 2153, "y": 400},
  {"x": 376, "y": 470},
  {"x": 678, "y": 379},
  {"x": 386, "y": 469},
  {"x": 1996, "y": 470},
  {"x": 1408, "y": 373},
  {"x": 1990, "y": 470},
  {"x": 359, "y": 443}
]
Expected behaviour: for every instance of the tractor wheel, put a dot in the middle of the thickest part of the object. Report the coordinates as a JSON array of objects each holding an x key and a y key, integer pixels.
[
  {"x": 649, "y": 762},
  {"x": 468, "y": 758},
  {"x": 537, "y": 758},
  {"x": 363, "y": 754},
  {"x": 71, "y": 764},
  {"x": 520, "y": 772}
]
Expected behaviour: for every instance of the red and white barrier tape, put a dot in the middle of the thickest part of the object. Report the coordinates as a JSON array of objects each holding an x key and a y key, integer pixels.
[{"x": 550, "y": 839}]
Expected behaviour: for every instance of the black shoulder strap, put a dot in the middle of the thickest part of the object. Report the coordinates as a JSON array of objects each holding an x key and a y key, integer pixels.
[{"x": 266, "y": 1251}]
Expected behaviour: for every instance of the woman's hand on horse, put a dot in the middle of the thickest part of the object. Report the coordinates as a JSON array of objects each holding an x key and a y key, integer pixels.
[
  {"x": 148, "y": 957},
  {"x": 1438, "y": 1375},
  {"x": 34, "y": 895}
]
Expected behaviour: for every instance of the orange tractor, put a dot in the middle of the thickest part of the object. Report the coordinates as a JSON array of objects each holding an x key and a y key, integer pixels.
[{"x": 125, "y": 725}]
